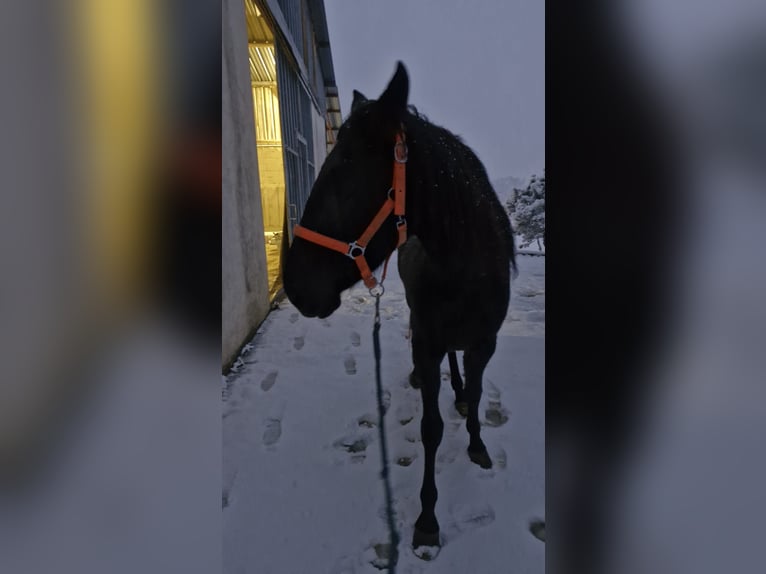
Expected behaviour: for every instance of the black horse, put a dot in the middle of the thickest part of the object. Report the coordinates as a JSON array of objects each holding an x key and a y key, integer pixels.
[{"x": 455, "y": 265}]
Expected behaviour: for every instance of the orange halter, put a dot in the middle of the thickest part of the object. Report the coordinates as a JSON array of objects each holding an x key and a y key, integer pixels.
[{"x": 355, "y": 249}]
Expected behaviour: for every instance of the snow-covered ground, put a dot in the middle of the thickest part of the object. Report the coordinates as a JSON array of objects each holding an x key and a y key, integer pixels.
[{"x": 301, "y": 460}]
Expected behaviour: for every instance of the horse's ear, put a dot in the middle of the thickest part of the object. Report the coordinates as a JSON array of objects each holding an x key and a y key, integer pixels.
[
  {"x": 359, "y": 99},
  {"x": 394, "y": 99}
]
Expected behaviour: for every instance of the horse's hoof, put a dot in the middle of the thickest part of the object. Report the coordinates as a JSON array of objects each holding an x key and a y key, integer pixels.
[
  {"x": 462, "y": 409},
  {"x": 420, "y": 538},
  {"x": 481, "y": 458},
  {"x": 426, "y": 553},
  {"x": 414, "y": 381}
]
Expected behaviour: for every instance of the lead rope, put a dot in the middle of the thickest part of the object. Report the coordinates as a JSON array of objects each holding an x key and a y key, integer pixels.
[{"x": 393, "y": 556}]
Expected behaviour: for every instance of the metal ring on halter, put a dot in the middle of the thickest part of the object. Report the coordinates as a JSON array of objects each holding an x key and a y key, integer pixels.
[
  {"x": 355, "y": 250},
  {"x": 377, "y": 290}
]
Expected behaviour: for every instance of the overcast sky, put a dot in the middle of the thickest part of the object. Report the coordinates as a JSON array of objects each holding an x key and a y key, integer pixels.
[{"x": 477, "y": 67}]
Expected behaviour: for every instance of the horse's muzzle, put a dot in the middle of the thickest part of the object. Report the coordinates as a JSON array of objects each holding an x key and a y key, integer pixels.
[{"x": 314, "y": 309}]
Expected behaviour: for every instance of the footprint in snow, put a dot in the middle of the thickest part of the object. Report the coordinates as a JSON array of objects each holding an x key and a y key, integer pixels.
[
  {"x": 495, "y": 415},
  {"x": 492, "y": 391},
  {"x": 294, "y": 317},
  {"x": 269, "y": 380},
  {"x": 355, "y": 339},
  {"x": 447, "y": 454},
  {"x": 273, "y": 432},
  {"x": 500, "y": 458},
  {"x": 404, "y": 456},
  {"x": 298, "y": 343},
  {"x": 405, "y": 413},
  {"x": 349, "y": 364},
  {"x": 464, "y": 518},
  {"x": 367, "y": 420},
  {"x": 355, "y": 444},
  {"x": 412, "y": 434}
]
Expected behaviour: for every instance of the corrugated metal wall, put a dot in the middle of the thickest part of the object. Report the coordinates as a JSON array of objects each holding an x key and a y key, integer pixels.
[
  {"x": 297, "y": 137},
  {"x": 298, "y": 18}
]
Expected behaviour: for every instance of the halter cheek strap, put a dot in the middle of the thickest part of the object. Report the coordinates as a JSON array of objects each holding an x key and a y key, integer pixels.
[{"x": 395, "y": 203}]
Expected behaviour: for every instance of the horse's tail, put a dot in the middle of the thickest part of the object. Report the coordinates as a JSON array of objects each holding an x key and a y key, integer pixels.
[
  {"x": 512, "y": 242},
  {"x": 514, "y": 267}
]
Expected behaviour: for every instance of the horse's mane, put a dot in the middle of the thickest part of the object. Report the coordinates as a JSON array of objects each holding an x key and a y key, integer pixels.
[{"x": 458, "y": 211}]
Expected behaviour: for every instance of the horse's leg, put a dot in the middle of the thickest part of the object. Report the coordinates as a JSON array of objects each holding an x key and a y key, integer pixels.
[
  {"x": 431, "y": 428},
  {"x": 416, "y": 381},
  {"x": 475, "y": 360},
  {"x": 414, "y": 375},
  {"x": 457, "y": 384}
]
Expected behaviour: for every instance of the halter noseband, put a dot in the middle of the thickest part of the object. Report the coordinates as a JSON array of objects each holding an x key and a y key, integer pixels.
[{"x": 355, "y": 249}]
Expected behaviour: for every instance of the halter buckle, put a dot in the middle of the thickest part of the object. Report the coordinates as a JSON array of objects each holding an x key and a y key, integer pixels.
[{"x": 401, "y": 221}]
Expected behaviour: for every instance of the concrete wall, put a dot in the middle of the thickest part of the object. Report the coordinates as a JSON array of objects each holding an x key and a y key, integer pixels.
[{"x": 244, "y": 288}]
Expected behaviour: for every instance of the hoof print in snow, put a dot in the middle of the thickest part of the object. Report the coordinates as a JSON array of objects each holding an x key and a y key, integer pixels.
[
  {"x": 269, "y": 380},
  {"x": 495, "y": 415},
  {"x": 355, "y": 445},
  {"x": 447, "y": 454},
  {"x": 294, "y": 317},
  {"x": 367, "y": 421},
  {"x": 298, "y": 343},
  {"x": 326, "y": 323},
  {"x": 529, "y": 293},
  {"x": 501, "y": 459},
  {"x": 350, "y": 365},
  {"x": 405, "y": 414},
  {"x": 382, "y": 556},
  {"x": 466, "y": 518},
  {"x": 412, "y": 435},
  {"x": 273, "y": 432},
  {"x": 405, "y": 460},
  {"x": 537, "y": 528},
  {"x": 356, "y": 340},
  {"x": 478, "y": 517}
]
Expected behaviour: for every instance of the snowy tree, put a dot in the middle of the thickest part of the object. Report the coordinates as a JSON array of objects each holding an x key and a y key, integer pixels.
[{"x": 527, "y": 209}]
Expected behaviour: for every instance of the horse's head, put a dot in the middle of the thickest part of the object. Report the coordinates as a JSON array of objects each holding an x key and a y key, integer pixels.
[{"x": 351, "y": 187}]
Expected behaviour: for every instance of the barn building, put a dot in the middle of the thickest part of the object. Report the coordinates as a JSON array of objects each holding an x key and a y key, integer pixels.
[{"x": 280, "y": 115}]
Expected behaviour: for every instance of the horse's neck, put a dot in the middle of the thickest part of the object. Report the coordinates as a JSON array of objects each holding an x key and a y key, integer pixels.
[{"x": 436, "y": 219}]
